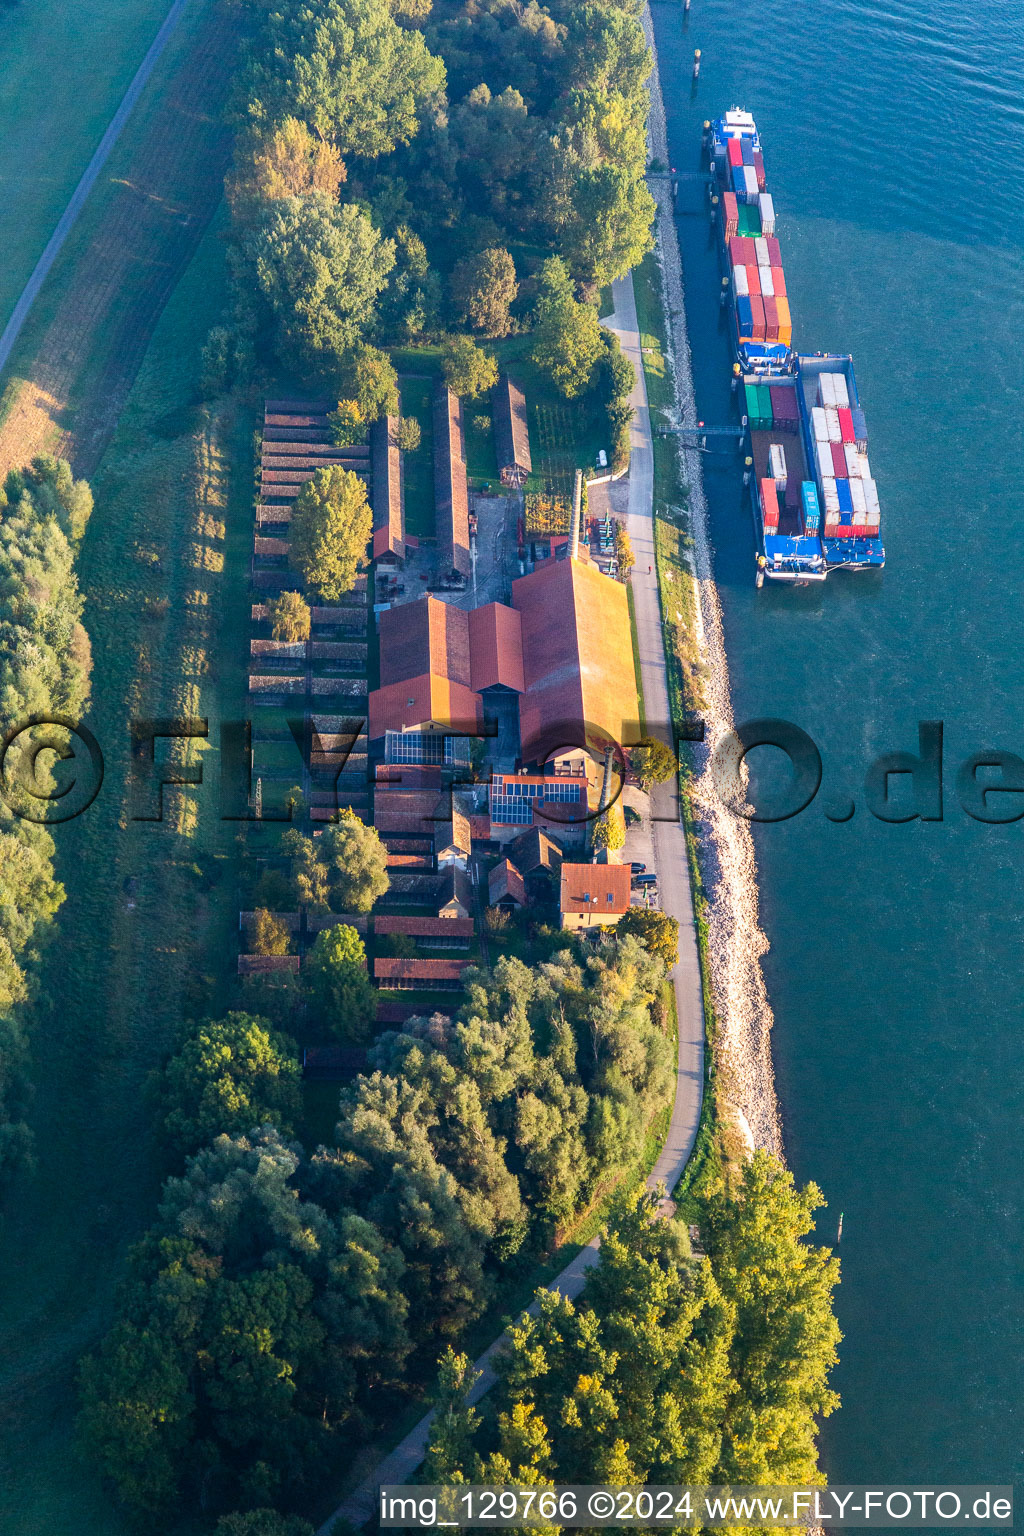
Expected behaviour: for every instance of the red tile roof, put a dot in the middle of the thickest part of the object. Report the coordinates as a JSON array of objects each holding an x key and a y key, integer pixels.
[
  {"x": 426, "y": 927},
  {"x": 496, "y": 647},
  {"x": 410, "y": 968},
  {"x": 581, "y": 883},
  {"x": 451, "y": 491},
  {"x": 423, "y": 701},
  {"x": 388, "y": 519},
  {"x": 578, "y": 659},
  {"x": 504, "y": 881},
  {"x": 424, "y": 670}
]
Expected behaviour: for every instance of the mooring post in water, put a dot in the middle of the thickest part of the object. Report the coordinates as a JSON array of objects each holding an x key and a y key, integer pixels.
[
  {"x": 696, "y": 63},
  {"x": 724, "y": 290},
  {"x": 748, "y": 463},
  {"x": 735, "y": 376}
]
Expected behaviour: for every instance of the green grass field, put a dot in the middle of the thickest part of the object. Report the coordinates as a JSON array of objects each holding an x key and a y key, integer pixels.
[{"x": 63, "y": 71}]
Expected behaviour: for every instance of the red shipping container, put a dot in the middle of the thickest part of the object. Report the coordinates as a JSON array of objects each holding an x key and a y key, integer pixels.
[
  {"x": 771, "y": 321},
  {"x": 779, "y": 283},
  {"x": 846, "y": 425},
  {"x": 759, "y": 169},
  {"x": 731, "y": 210},
  {"x": 736, "y": 256},
  {"x": 774, "y": 254},
  {"x": 734, "y": 150},
  {"x": 839, "y": 462},
  {"x": 770, "y": 497},
  {"x": 757, "y": 329},
  {"x": 753, "y": 280}
]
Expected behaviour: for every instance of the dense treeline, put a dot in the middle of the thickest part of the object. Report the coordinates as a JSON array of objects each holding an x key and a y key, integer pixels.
[
  {"x": 667, "y": 1369},
  {"x": 45, "y": 665},
  {"x": 401, "y": 171},
  {"x": 283, "y": 1304}
]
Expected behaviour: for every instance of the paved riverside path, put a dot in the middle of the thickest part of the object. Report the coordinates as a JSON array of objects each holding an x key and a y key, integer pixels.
[
  {"x": 676, "y": 898},
  {"x": 12, "y": 330}
]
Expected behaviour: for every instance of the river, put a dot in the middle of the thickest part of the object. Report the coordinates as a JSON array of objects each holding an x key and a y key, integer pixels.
[{"x": 894, "y": 141}]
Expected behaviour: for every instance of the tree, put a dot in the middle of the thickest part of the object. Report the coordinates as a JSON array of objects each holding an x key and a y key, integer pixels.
[
  {"x": 367, "y": 376},
  {"x": 347, "y": 424},
  {"x": 356, "y": 863},
  {"x": 786, "y": 1333},
  {"x": 275, "y": 995},
  {"x": 484, "y": 289},
  {"x": 653, "y": 761},
  {"x": 336, "y": 976},
  {"x": 358, "y": 79},
  {"x": 566, "y": 340},
  {"x": 656, "y": 931},
  {"x": 232, "y": 1075},
  {"x": 330, "y": 529},
  {"x": 321, "y": 267},
  {"x": 289, "y": 617},
  {"x": 286, "y": 161},
  {"x": 262, "y": 1522},
  {"x": 624, "y": 556},
  {"x": 409, "y": 434},
  {"x": 268, "y": 935},
  {"x": 609, "y": 829},
  {"x": 310, "y": 882},
  {"x": 468, "y": 369}
]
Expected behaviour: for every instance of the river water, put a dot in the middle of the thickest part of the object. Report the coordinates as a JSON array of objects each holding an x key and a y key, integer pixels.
[{"x": 893, "y": 144}]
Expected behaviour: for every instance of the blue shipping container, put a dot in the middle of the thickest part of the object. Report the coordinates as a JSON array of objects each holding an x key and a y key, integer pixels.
[
  {"x": 845, "y": 495},
  {"x": 845, "y": 519},
  {"x": 809, "y": 492},
  {"x": 747, "y": 147},
  {"x": 739, "y": 185},
  {"x": 745, "y": 312},
  {"x": 860, "y": 426}
]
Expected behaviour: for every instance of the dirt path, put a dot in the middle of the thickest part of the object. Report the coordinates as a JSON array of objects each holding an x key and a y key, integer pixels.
[{"x": 161, "y": 193}]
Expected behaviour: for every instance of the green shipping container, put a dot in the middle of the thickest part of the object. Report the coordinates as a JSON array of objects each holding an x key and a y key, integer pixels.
[
  {"x": 753, "y": 406},
  {"x": 764, "y": 402},
  {"x": 748, "y": 220}
]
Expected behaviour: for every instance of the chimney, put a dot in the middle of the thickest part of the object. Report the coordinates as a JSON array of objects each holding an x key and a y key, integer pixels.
[{"x": 574, "y": 527}]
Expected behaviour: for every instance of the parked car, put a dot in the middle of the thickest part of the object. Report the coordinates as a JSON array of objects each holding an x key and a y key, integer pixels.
[
  {"x": 646, "y": 880},
  {"x": 638, "y": 869}
]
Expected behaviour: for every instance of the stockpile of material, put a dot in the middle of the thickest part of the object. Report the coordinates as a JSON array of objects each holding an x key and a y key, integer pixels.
[{"x": 840, "y": 447}]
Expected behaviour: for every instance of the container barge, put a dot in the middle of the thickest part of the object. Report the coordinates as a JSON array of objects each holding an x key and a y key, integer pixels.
[{"x": 814, "y": 498}]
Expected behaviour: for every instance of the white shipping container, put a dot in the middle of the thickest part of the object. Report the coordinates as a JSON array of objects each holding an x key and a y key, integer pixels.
[
  {"x": 819, "y": 423},
  {"x": 830, "y": 496},
  {"x": 761, "y": 247},
  {"x": 860, "y": 519},
  {"x": 831, "y": 521},
  {"x": 853, "y": 461},
  {"x": 860, "y": 501},
  {"x": 739, "y": 278},
  {"x": 835, "y": 432},
  {"x": 777, "y": 465},
  {"x": 841, "y": 392},
  {"x": 871, "y": 493},
  {"x": 750, "y": 183},
  {"x": 767, "y": 209},
  {"x": 767, "y": 282},
  {"x": 826, "y": 469},
  {"x": 826, "y": 390},
  {"x": 865, "y": 467}
]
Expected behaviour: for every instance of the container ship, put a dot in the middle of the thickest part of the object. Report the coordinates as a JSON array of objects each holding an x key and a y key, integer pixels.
[{"x": 813, "y": 494}]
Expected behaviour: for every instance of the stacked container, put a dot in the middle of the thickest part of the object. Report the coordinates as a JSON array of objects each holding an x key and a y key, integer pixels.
[
  {"x": 730, "y": 211},
  {"x": 785, "y": 410},
  {"x": 785, "y": 319},
  {"x": 740, "y": 282},
  {"x": 819, "y": 426},
  {"x": 832, "y": 423},
  {"x": 777, "y": 467},
  {"x": 767, "y": 211},
  {"x": 750, "y": 192},
  {"x": 838, "y": 461},
  {"x": 770, "y": 506},
  {"x": 853, "y": 460},
  {"x": 811, "y": 509},
  {"x": 759, "y": 168}
]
